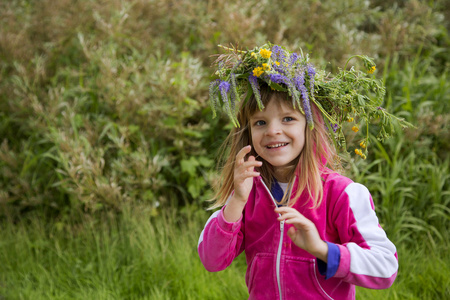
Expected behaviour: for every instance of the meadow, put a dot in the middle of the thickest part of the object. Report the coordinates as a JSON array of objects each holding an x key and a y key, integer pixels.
[{"x": 108, "y": 146}]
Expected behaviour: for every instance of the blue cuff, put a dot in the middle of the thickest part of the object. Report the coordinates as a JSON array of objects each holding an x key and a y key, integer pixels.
[{"x": 334, "y": 258}]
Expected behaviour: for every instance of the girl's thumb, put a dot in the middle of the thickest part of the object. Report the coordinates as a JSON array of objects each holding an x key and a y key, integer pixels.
[{"x": 291, "y": 232}]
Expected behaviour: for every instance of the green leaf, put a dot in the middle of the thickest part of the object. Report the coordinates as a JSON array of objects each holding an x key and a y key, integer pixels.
[
  {"x": 192, "y": 133},
  {"x": 205, "y": 162},
  {"x": 170, "y": 122},
  {"x": 361, "y": 100},
  {"x": 189, "y": 166},
  {"x": 195, "y": 186}
]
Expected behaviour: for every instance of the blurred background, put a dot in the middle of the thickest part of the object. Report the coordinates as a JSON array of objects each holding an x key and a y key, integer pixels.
[{"x": 108, "y": 147}]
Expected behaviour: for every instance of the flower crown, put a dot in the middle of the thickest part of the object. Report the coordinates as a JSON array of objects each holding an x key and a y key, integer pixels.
[{"x": 348, "y": 96}]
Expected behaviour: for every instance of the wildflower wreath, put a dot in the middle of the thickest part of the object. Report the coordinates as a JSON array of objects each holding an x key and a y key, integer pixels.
[{"x": 348, "y": 96}]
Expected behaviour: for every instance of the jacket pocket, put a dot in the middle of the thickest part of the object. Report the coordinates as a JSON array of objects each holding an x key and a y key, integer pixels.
[
  {"x": 300, "y": 277},
  {"x": 261, "y": 279}
]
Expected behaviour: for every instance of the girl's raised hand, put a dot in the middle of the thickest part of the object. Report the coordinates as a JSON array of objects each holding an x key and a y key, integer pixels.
[
  {"x": 304, "y": 233},
  {"x": 244, "y": 171}
]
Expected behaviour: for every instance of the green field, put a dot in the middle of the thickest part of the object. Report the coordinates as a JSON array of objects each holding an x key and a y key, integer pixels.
[{"x": 108, "y": 146}]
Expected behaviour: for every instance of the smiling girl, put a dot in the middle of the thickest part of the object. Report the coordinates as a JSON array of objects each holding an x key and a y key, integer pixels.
[{"x": 306, "y": 230}]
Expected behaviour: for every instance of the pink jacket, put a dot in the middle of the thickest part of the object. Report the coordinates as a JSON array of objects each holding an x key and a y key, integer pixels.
[{"x": 278, "y": 269}]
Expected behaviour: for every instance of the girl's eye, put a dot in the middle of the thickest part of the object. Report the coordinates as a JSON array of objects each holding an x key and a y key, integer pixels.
[
  {"x": 259, "y": 123},
  {"x": 288, "y": 119}
]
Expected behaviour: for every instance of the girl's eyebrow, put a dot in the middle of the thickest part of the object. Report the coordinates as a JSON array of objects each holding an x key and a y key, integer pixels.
[
  {"x": 256, "y": 116},
  {"x": 290, "y": 111}
]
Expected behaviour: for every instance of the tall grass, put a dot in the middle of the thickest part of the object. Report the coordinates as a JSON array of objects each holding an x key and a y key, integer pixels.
[{"x": 134, "y": 256}]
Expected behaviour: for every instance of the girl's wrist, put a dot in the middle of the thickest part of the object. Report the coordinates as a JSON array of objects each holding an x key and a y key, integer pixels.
[
  {"x": 233, "y": 210},
  {"x": 238, "y": 200},
  {"x": 322, "y": 252}
]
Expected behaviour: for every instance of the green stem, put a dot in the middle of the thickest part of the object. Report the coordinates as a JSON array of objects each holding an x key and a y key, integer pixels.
[
  {"x": 367, "y": 135},
  {"x": 323, "y": 111},
  {"x": 345, "y": 68},
  {"x": 231, "y": 49}
]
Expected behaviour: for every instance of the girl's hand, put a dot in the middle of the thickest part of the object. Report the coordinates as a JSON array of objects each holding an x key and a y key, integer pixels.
[
  {"x": 304, "y": 233},
  {"x": 244, "y": 171}
]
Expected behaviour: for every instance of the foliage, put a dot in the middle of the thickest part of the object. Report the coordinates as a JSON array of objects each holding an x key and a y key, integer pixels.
[
  {"x": 98, "y": 108},
  {"x": 103, "y": 109}
]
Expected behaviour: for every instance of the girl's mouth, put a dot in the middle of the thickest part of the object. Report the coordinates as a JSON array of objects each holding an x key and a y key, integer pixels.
[{"x": 274, "y": 146}]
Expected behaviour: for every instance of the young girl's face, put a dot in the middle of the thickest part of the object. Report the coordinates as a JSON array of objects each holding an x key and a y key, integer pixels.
[{"x": 278, "y": 134}]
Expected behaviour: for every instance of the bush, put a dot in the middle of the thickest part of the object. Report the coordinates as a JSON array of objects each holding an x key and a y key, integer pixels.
[{"x": 106, "y": 104}]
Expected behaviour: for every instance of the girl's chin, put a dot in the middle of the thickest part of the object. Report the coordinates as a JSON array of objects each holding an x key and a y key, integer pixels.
[
  {"x": 283, "y": 170},
  {"x": 282, "y": 167}
]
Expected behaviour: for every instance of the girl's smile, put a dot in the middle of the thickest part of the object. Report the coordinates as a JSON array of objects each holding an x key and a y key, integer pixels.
[{"x": 278, "y": 134}]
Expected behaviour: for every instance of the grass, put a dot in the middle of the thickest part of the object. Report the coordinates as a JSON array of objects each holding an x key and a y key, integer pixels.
[
  {"x": 127, "y": 257},
  {"x": 134, "y": 256}
]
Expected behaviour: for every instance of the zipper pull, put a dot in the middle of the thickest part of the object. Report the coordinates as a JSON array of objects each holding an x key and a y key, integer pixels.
[{"x": 281, "y": 226}]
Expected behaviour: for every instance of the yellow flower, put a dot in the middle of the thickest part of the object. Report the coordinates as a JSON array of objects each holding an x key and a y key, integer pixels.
[
  {"x": 359, "y": 152},
  {"x": 371, "y": 70},
  {"x": 266, "y": 67},
  {"x": 355, "y": 129},
  {"x": 265, "y": 53},
  {"x": 350, "y": 119},
  {"x": 254, "y": 55},
  {"x": 277, "y": 63},
  {"x": 258, "y": 71},
  {"x": 363, "y": 144}
]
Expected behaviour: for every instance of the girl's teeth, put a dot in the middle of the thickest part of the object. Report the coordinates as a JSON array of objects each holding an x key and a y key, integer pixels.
[{"x": 277, "y": 145}]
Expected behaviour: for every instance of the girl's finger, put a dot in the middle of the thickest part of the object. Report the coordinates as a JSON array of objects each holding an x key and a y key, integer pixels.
[
  {"x": 247, "y": 174},
  {"x": 242, "y": 153},
  {"x": 289, "y": 215},
  {"x": 251, "y": 164},
  {"x": 283, "y": 210}
]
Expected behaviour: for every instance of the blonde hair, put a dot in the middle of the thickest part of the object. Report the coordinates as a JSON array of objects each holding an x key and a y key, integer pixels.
[{"x": 318, "y": 153}]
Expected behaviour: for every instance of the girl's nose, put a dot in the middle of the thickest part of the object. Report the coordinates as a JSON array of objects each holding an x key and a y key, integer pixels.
[{"x": 273, "y": 129}]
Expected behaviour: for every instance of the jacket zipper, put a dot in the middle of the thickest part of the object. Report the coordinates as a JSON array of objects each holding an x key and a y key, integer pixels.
[{"x": 280, "y": 245}]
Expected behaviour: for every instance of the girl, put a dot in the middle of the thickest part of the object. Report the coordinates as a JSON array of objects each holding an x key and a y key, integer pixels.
[{"x": 306, "y": 230}]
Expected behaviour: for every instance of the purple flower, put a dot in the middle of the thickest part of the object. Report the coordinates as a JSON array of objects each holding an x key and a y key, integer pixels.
[
  {"x": 212, "y": 85},
  {"x": 279, "y": 56},
  {"x": 255, "y": 87},
  {"x": 280, "y": 69},
  {"x": 311, "y": 71},
  {"x": 335, "y": 127},
  {"x": 278, "y": 53},
  {"x": 278, "y": 78},
  {"x": 293, "y": 59},
  {"x": 311, "y": 74},
  {"x": 224, "y": 87},
  {"x": 299, "y": 81}
]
